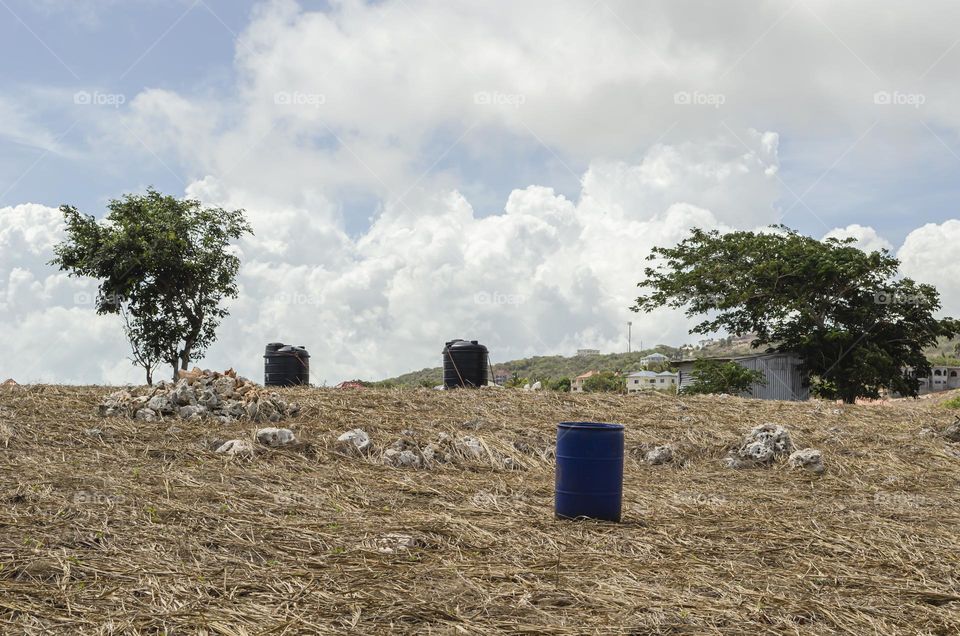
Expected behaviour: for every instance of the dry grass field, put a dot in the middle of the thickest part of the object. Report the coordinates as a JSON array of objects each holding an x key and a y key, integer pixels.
[{"x": 145, "y": 530}]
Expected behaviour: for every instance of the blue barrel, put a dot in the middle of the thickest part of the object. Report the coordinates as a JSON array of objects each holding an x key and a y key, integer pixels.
[{"x": 589, "y": 477}]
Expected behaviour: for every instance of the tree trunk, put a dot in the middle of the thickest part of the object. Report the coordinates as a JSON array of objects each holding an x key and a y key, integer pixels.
[{"x": 149, "y": 375}]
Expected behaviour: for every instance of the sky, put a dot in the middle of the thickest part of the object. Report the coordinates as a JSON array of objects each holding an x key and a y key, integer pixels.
[{"x": 422, "y": 170}]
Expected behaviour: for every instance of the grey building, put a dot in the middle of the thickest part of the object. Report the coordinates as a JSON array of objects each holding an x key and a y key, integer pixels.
[{"x": 785, "y": 380}]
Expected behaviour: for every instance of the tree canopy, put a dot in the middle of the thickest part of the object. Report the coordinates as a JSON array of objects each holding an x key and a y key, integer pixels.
[
  {"x": 855, "y": 323},
  {"x": 164, "y": 264}
]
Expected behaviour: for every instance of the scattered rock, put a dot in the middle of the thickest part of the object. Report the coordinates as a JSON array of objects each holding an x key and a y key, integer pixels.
[
  {"x": 762, "y": 446},
  {"x": 475, "y": 424},
  {"x": 402, "y": 458},
  {"x": 354, "y": 442},
  {"x": 6, "y": 434},
  {"x": 147, "y": 415},
  {"x": 396, "y": 542},
  {"x": 276, "y": 436},
  {"x": 952, "y": 432},
  {"x": 808, "y": 459},
  {"x": 235, "y": 447},
  {"x": 471, "y": 447},
  {"x": 659, "y": 455}
]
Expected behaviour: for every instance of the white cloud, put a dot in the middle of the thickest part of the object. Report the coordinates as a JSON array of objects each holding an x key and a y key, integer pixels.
[
  {"x": 867, "y": 238},
  {"x": 546, "y": 275},
  {"x": 931, "y": 254}
]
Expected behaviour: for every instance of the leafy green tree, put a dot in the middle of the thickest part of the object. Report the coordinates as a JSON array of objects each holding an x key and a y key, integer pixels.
[
  {"x": 605, "y": 382},
  {"x": 854, "y": 323},
  {"x": 561, "y": 385},
  {"x": 164, "y": 264},
  {"x": 716, "y": 376}
]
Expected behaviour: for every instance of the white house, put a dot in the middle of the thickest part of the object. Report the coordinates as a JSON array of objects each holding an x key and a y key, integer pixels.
[
  {"x": 941, "y": 378},
  {"x": 653, "y": 358},
  {"x": 651, "y": 381}
]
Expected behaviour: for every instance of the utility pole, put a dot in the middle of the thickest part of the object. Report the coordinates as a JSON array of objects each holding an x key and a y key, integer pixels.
[{"x": 629, "y": 335}]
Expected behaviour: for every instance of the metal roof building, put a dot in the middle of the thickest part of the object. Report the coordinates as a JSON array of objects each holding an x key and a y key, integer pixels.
[{"x": 785, "y": 380}]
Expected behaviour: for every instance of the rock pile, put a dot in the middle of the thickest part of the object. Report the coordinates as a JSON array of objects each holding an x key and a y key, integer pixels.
[{"x": 197, "y": 395}]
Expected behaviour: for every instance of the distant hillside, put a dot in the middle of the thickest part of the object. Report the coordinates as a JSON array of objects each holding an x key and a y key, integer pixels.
[
  {"x": 555, "y": 367},
  {"x": 546, "y": 367}
]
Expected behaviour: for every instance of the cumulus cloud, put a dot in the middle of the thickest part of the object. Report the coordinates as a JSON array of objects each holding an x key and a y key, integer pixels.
[
  {"x": 547, "y": 274},
  {"x": 931, "y": 254},
  {"x": 867, "y": 238}
]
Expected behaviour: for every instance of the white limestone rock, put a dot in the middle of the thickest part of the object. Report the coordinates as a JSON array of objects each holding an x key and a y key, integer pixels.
[
  {"x": 354, "y": 442},
  {"x": 236, "y": 447},
  {"x": 402, "y": 458},
  {"x": 146, "y": 415},
  {"x": 765, "y": 444},
  {"x": 276, "y": 436},
  {"x": 808, "y": 459},
  {"x": 659, "y": 455}
]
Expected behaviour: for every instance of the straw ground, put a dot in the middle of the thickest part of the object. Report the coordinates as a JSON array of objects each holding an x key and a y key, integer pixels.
[{"x": 143, "y": 529}]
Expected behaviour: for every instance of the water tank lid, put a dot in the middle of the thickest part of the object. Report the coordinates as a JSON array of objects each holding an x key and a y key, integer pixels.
[
  {"x": 464, "y": 345},
  {"x": 300, "y": 352},
  {"x": 274, "y": 346}
]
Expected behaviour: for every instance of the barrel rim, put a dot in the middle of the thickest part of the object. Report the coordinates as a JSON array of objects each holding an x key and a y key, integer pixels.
[{"x": 591, "y": 426}]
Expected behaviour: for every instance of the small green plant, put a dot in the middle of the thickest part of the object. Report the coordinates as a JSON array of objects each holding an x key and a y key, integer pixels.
[
  {"x": 952, "y": 403},
  {"x": 714, "y": 376}
]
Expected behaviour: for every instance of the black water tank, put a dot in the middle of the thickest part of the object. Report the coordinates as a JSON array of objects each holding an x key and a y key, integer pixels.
[
  {"x": 285, "y": 365},
  {"x": 465, "y": 363}
]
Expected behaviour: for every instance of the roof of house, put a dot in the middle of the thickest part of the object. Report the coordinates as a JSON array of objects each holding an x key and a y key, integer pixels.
[
  {"x": 654, "y": 356},
  {"x": 584, "y": 376}
]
